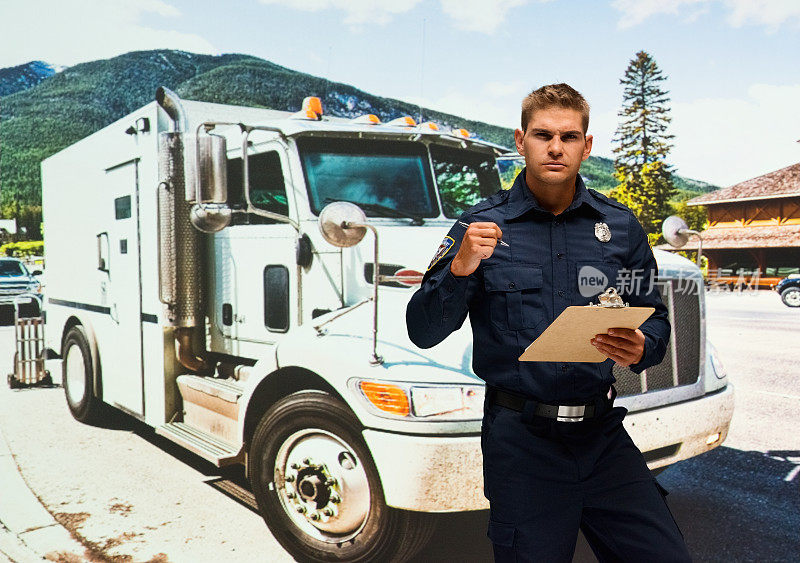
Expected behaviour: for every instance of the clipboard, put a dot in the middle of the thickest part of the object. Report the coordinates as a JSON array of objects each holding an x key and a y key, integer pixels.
[{"x": 567, "y": 339}]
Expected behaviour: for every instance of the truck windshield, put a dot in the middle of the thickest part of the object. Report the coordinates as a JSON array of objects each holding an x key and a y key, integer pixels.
[
  {"x": 388, "y": 174},
  {"x": 464, "y": 178},
  {"x": 11, "y": 268}
]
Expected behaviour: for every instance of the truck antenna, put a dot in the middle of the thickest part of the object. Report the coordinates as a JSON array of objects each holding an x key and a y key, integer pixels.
[{"x": 422, "y": 71}]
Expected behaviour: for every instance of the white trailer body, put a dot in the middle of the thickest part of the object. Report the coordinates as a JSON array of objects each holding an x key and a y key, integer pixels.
[{"x": 261, "y": 300}]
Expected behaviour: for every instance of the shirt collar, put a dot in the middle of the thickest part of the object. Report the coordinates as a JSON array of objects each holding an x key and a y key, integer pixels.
[{"x": 521, "y": 199}]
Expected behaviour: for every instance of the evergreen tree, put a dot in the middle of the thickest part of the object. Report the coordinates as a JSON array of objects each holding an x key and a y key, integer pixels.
[{"x": 642, "y": 145}]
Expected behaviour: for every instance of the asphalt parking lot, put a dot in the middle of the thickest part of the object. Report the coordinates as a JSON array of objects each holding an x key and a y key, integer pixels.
[{"x": 129, "y": 495}]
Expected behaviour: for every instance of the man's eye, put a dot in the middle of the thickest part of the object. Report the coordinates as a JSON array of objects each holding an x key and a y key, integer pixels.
[
  {"x": 543, "y": 135},
  {"x": 569, "y": 137}
]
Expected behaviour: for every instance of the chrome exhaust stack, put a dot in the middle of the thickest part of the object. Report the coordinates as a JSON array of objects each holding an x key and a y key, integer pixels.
[{"x": 180, "y": 245}]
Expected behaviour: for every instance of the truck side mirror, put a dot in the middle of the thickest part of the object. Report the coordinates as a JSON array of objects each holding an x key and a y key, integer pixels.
[
  {"x": 677, "y": 233},
  {"x": 211, "y": 212},
  {"x": 340, "y": 223},
  {"x": 674, "y": 230},
  {"x": 212, "y": 169}
]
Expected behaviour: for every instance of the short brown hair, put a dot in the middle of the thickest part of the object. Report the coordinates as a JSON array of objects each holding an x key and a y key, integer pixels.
[{"x": 561, "y": 95}]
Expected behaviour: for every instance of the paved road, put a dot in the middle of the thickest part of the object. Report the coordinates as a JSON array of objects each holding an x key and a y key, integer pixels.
[{"x": 130, "y": 495}]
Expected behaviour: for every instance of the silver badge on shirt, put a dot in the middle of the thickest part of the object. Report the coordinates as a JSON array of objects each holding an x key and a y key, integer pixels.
[{"x": 602, "y": 232}]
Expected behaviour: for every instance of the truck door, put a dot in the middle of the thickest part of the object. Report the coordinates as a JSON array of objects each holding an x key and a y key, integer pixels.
[
  {"x": 256, "y": 266},
  {"x": 122, "y": 352}
]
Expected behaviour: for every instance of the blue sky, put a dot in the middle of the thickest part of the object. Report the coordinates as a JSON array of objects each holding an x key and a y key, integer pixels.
[{"x": 731, "y": 65}]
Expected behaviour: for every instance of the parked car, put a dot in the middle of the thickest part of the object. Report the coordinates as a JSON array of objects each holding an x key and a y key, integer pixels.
[
  {"x": 16, "y": 279},
  {"x": 789, "y": 290}
]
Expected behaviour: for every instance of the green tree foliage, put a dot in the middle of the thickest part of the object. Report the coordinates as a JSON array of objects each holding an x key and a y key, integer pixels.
[
  {"x": 642, "y": 144},
  {"x": 23, "y": 249},
  {"x": 696, "y": 216}
]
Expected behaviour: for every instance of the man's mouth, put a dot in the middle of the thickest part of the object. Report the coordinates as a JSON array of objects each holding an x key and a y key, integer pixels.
[{"x": 554, "y": 164}]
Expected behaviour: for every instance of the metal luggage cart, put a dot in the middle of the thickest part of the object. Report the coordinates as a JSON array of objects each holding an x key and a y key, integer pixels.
[{"x": 29, "y": 351}]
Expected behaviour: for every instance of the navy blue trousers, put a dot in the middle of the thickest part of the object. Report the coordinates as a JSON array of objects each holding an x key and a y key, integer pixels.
[{"x": 546, "y": 479}]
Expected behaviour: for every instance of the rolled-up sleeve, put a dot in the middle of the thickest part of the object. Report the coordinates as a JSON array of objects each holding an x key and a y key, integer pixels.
[
  {"x": 441, "y": 303},
  {"x": 656, "y": 328}
]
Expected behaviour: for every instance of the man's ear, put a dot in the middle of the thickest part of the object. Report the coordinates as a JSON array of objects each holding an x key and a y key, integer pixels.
[
  {"x": 518, "y": 136},
  {"x": 587, "y": 149}
]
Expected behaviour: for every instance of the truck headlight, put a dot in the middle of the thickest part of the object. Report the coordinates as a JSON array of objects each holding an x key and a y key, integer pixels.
[
  {"x": 421, "y": 401},
  {"x": 716, "y": 363}
]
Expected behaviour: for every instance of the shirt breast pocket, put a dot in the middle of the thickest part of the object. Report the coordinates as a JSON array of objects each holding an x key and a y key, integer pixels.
[{"x": 515, "y": 296}]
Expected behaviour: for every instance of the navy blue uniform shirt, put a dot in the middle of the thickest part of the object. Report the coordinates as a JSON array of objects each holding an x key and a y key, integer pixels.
[{"x": 520, "y": 289}]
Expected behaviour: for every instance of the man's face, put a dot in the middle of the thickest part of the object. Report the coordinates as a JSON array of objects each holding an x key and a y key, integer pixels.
[{"x": 553, "y": 145}]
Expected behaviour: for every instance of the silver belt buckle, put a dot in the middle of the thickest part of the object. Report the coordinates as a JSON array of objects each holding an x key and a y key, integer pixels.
[{"x": 570, "y": 413}]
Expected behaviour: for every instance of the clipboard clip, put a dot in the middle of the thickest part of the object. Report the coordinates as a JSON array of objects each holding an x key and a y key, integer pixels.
[{"x": 609, "y": 298}]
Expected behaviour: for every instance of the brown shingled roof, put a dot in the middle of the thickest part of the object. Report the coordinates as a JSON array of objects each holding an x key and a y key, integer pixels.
[
  {"x": 745, "y": 237},
  {"x": 780, "y": 183}
]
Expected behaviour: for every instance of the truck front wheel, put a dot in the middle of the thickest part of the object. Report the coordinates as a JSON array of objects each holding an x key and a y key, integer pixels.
[
  {"x": 78, "y": 377},
  {"x": 318, "y": 489}
]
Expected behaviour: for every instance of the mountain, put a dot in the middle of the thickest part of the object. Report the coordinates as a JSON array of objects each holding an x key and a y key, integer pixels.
[
  {"x": 41, "y": 118},
  {"x": 22, "y": 77}
]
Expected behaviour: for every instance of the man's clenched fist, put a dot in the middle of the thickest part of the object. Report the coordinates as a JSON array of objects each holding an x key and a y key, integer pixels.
[{"x": 478, "y": 244}]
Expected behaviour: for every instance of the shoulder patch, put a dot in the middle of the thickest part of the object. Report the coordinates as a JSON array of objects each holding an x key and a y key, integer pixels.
[
  {"x": 446, "y": 245},
  {"x": 605, "y": 199}
]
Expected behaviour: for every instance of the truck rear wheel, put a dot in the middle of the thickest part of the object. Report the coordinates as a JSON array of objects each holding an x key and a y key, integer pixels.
[
  {"x": 78, "y": 377},
  {"x": 318, "y": 489}
]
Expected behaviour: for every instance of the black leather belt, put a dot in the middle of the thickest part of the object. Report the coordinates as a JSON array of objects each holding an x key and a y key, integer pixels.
[{"x": 562, "y": 413}]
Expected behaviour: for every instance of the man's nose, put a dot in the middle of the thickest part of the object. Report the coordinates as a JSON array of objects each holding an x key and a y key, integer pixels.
[{"x": 556, "y": 146}]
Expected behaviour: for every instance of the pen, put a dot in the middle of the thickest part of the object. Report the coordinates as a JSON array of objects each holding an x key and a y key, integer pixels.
[{"x": 463, "y": 224}]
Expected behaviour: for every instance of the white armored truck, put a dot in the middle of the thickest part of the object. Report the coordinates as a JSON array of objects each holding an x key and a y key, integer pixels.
[{"x": 237, "y": 278}]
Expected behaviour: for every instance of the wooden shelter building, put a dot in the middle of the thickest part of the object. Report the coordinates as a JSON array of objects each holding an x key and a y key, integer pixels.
[{"x": 754, "y": 224}]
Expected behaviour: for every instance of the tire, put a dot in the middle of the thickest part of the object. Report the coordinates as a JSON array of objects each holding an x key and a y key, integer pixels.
[
  {"x": 791, "y": 296},
  {"x": 78, "y": 377},
  {"x": 307, "y": 454}
]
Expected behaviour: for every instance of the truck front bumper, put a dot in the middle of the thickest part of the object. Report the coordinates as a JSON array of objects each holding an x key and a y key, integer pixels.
[
  {"x": 445, "y": 474},
  {"x": 672, "y": 433}
]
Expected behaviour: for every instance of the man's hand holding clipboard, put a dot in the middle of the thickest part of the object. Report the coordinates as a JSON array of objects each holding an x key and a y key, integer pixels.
[{"x": 572, "y": 336}]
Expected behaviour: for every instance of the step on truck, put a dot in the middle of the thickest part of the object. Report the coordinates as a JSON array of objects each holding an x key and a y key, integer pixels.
[{"x": 237, "y": 278}]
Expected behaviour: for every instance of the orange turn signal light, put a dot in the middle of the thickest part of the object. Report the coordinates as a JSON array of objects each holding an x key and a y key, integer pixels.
[
  {"x": 405, "y": 121},
  {"x": 369, "y": 119},
  {"x": 429, "y": 125},
  {"x": 386, "y": 397}
]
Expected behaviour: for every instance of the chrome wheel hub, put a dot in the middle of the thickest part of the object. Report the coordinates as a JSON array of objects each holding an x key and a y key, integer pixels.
[
  {"x": 75, "y": 374},
  {"x": 793, "y": 298},
  {"x": 322, "y": 485}
]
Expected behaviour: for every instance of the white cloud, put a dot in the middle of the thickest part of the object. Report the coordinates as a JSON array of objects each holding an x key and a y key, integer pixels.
[
  {"x": 484, "y": 16},
  {"x": 480, "y": 15},
  {"x": 67, "y": 33},
  {"x": 770, "y": 13},
  {"x": 635, "y": 12},
  {"x": 357, "y": 12},
  {"x": 728, "y": 140},
  {"x": 489, "y": 103}
]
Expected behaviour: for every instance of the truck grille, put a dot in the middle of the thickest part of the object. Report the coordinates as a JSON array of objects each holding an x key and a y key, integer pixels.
[
  {"x": 13, "y": 289},
  {"x": 681, "y": 364}
]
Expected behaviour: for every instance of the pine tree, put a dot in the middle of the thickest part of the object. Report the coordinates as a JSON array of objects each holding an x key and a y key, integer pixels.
[{"x": 642, "y": 145}]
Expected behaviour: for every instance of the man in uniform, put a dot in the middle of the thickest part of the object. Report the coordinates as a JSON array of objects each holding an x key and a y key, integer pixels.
[{"x": 549, "y": 469}]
